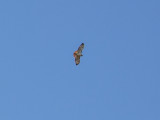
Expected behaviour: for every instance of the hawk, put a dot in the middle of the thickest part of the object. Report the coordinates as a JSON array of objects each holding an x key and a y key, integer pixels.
[{"x": 78, "y": 53}]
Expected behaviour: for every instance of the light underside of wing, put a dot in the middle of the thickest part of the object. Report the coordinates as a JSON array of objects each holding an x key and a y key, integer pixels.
[
  {"x": 77, "y": 59},
  {"x": 81, "y": 47}
]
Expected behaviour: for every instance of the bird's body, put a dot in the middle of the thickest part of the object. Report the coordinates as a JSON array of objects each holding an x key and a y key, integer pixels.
[{"x": 78, "y": 53}]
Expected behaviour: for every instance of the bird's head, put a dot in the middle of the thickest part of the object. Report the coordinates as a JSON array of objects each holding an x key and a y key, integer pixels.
[{"x": 75, "y": 53}]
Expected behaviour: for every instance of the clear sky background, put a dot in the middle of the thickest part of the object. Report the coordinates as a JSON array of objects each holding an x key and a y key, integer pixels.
[{"x": 119, "y": 74}]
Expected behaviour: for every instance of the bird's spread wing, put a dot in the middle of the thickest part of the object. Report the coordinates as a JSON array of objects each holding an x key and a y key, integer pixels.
[
  {"x": 77, "y": 59},
  {"x": 80, "y": 48}
]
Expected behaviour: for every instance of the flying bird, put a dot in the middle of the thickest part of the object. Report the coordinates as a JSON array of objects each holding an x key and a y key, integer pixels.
[{"x": 78, "y": 53}]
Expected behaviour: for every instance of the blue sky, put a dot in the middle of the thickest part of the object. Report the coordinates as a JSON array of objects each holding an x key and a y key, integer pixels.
[{"x": 119, "y": 74}]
